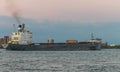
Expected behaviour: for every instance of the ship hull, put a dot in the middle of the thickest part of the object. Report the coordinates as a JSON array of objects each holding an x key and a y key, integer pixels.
[{"x": 54, "y": 47}]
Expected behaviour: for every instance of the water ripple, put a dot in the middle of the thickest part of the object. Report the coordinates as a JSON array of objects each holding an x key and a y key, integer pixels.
[{"x": 60, "y": 61}]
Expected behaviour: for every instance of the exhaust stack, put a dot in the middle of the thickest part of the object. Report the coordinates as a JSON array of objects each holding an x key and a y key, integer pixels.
[{"x": 21, "y": 28}]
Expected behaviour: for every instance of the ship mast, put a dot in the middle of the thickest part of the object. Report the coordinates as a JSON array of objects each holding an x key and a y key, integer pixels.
[
  {"x": 14, "y": 28},
  {"x": 92, "y": 36}
]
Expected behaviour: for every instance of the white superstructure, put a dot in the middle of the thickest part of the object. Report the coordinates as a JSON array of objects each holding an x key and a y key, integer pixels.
[{"x": 22, "y": 36}]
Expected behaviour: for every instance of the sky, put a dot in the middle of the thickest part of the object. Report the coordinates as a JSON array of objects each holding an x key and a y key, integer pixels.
[{"x": 63, "y": 19}]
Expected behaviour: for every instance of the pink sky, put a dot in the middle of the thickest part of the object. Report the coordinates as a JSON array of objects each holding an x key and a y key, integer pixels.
[{"x": 80, "y": 10}]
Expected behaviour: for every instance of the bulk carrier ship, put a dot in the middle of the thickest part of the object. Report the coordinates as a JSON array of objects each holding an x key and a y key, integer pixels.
[{"x": 22, "y": 41}]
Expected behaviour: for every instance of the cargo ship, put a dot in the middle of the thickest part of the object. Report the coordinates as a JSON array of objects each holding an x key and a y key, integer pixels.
[{"x": 22, "y": 41}]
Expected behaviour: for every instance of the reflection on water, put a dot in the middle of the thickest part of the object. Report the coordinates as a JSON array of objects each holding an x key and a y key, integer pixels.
[{"x": 107, "y": 60}]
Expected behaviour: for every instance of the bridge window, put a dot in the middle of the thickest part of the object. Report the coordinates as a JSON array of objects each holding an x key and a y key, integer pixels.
[{"x": 15, "y": 38}]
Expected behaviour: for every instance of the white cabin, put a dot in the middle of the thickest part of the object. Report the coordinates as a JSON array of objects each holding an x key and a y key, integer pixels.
[{"x": 21, "y": 37}]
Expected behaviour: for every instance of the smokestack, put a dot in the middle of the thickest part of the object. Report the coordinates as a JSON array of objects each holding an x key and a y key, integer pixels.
[{"x": 20, "y": 28}]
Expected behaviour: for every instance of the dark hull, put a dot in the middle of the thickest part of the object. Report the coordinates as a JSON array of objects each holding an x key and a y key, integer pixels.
[{"x": 54, "y": 47}]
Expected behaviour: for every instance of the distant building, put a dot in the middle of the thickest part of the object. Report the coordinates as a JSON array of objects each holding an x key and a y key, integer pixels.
[
  {"x": 1, "y": 41},
  {"x": 114, "y": 45},
  {"x": 104, "y": 44},
  {"x": 4, "y": 40}
]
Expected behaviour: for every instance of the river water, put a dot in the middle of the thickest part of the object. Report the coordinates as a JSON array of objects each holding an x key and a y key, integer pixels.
[{"x": 106, "y": 60}]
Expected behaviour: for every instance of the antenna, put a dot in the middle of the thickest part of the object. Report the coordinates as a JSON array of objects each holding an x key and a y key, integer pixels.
[
  {"x": 14, "y": 27},
  {"x": 92, "y": 36}
]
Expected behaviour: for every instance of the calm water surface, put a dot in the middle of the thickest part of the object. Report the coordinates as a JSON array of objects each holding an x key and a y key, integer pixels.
[{"x": 107, "y": 60}]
